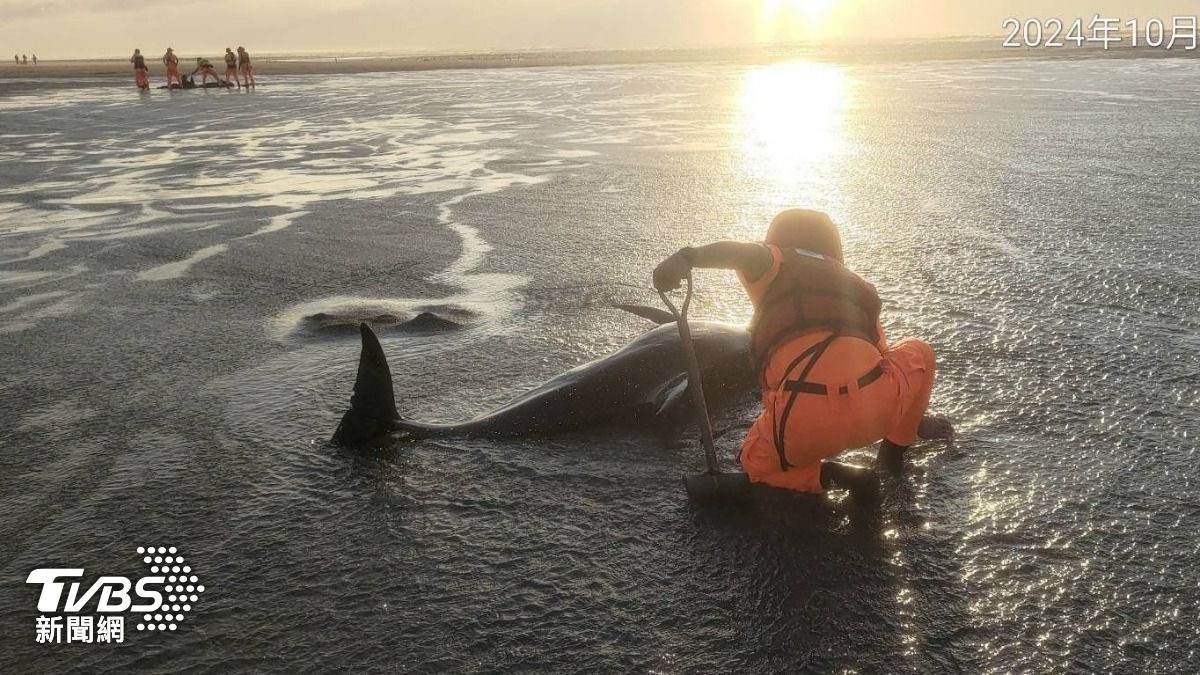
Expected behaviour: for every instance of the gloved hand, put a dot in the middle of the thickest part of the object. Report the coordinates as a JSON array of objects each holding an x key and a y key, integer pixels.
[{"x": 670, "y": 272}]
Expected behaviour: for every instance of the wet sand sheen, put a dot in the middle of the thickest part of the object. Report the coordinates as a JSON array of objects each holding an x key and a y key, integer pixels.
[
  {"x": 191, "y": 411},
  {"x": 174, "y": 270}
]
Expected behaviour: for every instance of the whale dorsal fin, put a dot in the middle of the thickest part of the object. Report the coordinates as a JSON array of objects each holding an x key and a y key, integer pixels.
[
  {"x": 658, "y": 316},
  {"x": 373, "y": 405},
  {"x": 373, "y": 391}
]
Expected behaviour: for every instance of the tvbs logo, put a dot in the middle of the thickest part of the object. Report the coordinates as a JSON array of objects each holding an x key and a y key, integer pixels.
[{"x": 95, "y": 612}]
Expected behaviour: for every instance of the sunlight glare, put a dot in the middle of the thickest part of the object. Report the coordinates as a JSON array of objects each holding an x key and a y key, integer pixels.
[
  {"x": 792, "y": 20},
  {"x": 812, "y": 9},
  {"x": 792, "y": 122}
]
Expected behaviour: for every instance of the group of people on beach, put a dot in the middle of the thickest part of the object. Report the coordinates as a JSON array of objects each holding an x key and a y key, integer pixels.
[
  {"x": 237, "y": 70},
  {"x": 23, "y": 60}
]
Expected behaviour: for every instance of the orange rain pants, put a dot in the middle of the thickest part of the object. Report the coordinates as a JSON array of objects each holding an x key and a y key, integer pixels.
[
  {"x": 820, "y": 426},
  {"x": 142, "y": 77}
]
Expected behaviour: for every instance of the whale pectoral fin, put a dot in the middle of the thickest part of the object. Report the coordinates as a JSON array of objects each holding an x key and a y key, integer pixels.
[
  {"x": 658, "y": 316},
  {"x": 372, "y": 412},
  {"x": 672, "y": 397}
]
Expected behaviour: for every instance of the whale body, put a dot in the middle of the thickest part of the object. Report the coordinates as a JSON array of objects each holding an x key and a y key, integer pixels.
[{"x": 642, "y": 382}]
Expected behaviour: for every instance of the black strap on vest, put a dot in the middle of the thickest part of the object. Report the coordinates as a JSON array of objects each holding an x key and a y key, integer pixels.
[
  {"x": 801, "y": 385},
  {"x": 813, "y": 353},
  {"x": 821, "y": 390}
]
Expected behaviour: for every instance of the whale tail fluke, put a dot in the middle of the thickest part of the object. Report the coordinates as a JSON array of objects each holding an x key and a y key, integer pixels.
[{"x": 372, "y": 412}]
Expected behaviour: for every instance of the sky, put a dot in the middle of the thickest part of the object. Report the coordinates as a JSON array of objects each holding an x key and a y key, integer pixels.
[{"x": 63, "y": 29}]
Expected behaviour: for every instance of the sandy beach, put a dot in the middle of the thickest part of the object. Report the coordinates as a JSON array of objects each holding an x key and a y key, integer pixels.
[
  {"x": 972, "y": 48},
  {"x": 333, "y": 65},
  {"x": 330, "y": 65},
  {"x": 181, "y": 275}
]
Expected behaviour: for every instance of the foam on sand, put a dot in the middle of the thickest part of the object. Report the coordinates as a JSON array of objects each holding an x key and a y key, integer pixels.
[{"x": 174, "y": 270}]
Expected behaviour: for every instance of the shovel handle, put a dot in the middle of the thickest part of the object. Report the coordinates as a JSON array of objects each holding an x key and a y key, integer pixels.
[{"x": 693, "y": 365}]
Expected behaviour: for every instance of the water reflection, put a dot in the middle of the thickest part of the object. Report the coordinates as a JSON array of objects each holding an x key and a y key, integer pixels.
[{"x": 792, "y": 119}]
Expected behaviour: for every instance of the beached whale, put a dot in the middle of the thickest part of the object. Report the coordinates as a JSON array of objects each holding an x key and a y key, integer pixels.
[{"x": 644, "y": 381}]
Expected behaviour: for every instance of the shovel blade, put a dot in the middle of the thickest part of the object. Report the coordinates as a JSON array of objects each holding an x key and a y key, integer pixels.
[{"x": 717, "y": 486}]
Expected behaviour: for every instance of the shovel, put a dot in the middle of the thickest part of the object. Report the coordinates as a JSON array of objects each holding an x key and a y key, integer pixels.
[{"x": 713, "y": 484}]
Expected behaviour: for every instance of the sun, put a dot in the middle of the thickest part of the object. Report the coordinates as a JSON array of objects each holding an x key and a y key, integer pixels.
[
  {"x": 789, "y": 20},
  {"x": 810, "y": 9}
]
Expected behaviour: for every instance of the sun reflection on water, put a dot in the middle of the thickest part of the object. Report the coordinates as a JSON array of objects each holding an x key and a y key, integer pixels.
[{"x": 792, "y": 122}]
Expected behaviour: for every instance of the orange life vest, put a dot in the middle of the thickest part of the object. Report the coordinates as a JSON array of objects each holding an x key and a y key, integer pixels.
[{"x": 812, "y": 293}]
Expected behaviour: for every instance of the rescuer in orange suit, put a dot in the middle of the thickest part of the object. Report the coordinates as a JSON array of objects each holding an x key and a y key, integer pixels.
[
  {"x": 141, "y": 74},
  {"x": 830, "y": 380},
  {"x": 171, "y": 61}
]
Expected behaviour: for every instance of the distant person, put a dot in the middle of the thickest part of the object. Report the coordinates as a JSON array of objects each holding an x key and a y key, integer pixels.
[
  {"x": 172, "y": 63},
  {"x": 231, "y": 69},
  {"x": 245, "y": 67},
  {"x": 24, "y": 60},
  {"x": 35, "y": 59},
  {"x": 205, "y": 68},
  {"x": 141, "y": 74},
  {"x": 16, "y": 60}
]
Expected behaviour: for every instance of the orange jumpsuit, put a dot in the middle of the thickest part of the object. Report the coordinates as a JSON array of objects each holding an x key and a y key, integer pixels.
[
  {"x": 173, "y": 71},
  {"x": 820, "y": 426},
  {"x": 141, "y": 75},
  {"x": 206, "y": 71},
  {"x": 244, "y": 66}
]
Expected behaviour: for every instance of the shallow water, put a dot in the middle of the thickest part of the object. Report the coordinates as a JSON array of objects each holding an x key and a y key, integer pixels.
[{"x": 1034, "y": 220}]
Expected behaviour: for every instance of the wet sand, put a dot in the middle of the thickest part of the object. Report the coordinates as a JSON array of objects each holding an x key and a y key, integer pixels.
[{"x": 161, "y": 385}]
